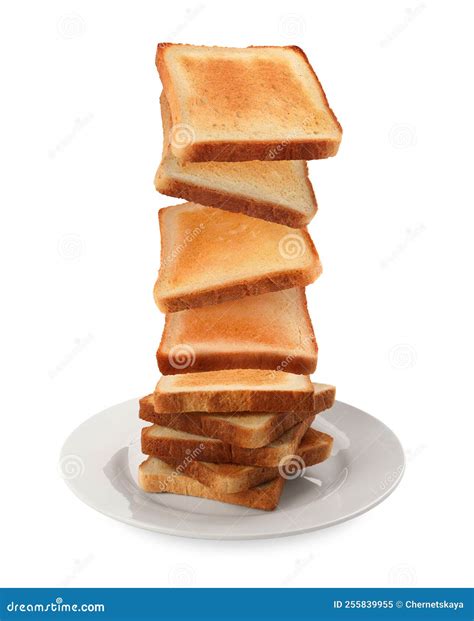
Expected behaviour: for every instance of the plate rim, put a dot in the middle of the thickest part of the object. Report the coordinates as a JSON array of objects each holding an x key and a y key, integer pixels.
[{"x": 195, "y": 534}]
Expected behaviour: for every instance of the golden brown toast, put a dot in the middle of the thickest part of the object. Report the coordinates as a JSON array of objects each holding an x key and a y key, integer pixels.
[
  {"x": 179, "y": 446},
  {"x": 314, "y": 448},
  {"x": 235, "y": 390},
  {"x": 154, "y": 475},
  {"x": 279, "y": 191},
  {"x": 210, "y": 256},
  {"x": 255, "y": 103},
  {"x": 269, "y": 331},
  {"x": 250, "y": 430}
]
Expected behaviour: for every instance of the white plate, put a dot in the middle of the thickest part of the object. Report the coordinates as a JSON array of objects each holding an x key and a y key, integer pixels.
[{"x": 100, "y": 458}]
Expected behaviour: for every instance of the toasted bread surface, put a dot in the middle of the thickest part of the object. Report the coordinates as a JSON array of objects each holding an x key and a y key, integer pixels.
[
  {"x": 180, "y": 446},
  {"x": 256, "y": 103},
  {"x": 155, "y": 475},
  {"x": 269, "y": 331},
  {"x": 236, "y": 390},
  {"x": 279, "y": 191},
  {"x": 250, "y": 430},
  {"x": 209, "y": 256},
  {"x": 314, "y": 448}
]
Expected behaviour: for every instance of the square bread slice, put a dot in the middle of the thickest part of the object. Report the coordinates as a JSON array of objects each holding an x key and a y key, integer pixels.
[
  {"x": 315, "y": 447},
  {"x": 254, "y": 103},
  {"x": 210, "y": 256},
  {"x": 278, "y": 191},
  {"x": 235, "y": 390},
  {"x": 182, "y": 447},
  {"x": 269, "y": 331},
  {"x": 242, "y": 429},
  {"x": 155, "y": 475}
]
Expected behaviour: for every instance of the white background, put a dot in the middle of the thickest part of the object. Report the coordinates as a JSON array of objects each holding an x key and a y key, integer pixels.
[{"x": 81, "y": 138}]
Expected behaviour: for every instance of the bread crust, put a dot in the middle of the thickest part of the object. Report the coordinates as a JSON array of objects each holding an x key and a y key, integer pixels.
[
  {"x": 211, "y": 358},
  {"x": 236, "y": 401},
  {"x": 276, "y": 281},
  {"x": 299, "y": 364},
  {"x": 211, "y": 426},
  {"x": 251, "y": 476},
  {"x": 235, "y": 151},
  {"x": 220, "y": 199},
  {"x": 258, "y": 150},
  {"x": 264, "y": 497},
  {"x": 315, "y": 448},
  {"x": 198, "y": 192},
  {"x": 259, "y": 284},
  {"x": 180, "y": 449}
]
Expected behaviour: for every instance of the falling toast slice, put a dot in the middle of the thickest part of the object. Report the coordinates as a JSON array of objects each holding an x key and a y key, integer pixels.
[
  {"x": 254, "y": 103},
  {"x": 182, "y": 447},
  {"x": 270, "y": 331},
  {"x": 242, "y": 429},
  {"x": 279, "y": 191},
  {"x": 210, "y": 256},
  {"x": 155, "y": 475}
]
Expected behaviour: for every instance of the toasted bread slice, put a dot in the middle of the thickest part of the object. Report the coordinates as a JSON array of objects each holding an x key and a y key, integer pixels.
[
  {"x": 209, "y": 256},
  {"x": 154, "y": 475},
  {"x": 179, "y": 446},
  {"x": 269, "y": 331},
  {"x": 243, "y": 429},
  {"x": 278, "y": 191},
  {"x": 255, "y": 103},
  {"x": 236, "y": 390},
  {"x": 314, "y": 448}
]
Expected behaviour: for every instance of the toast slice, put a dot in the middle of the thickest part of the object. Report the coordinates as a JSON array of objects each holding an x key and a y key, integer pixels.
[
  {"x": 235, "y": 390},
  {"x": 247, "y": 430},
  {"x": 209, "y": 256},
  {"x": 254, "y": 103},
  {"x": 154, "y": 475},
  {"x": 278, "y": 191},
  {"x": 270, "y": 331},
  {"x": 182, "y": 447},
  {"x": 314, "y": 448}
]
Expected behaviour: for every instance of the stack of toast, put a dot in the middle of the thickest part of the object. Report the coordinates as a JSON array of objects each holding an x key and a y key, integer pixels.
[{"x": 231, "y": 417}]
